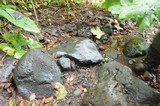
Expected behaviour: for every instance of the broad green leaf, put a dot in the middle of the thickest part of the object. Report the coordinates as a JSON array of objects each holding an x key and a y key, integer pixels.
[
  {"x": 19, "y": 19},
  {"x": 97, "y": 31},
  {"x": 7, "y": 49},
  {"x": 135, "y": 9},
  {"x": 19, "y": 53},
  {"x": 61, "y": 91},
  {"x": 145, "y": 21},
  {"x": 17, "y": 40}
]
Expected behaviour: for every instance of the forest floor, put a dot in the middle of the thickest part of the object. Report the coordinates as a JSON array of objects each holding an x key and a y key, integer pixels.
[{"x": 64, "y": 21}]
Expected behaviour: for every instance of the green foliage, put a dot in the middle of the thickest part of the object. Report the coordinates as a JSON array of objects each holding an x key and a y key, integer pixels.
[
  {"x": 144, "y": 11},
  {"x": 15, "y": 44},
  {"x": 18, "y": 19},
  {"x": 28, "y": 4}
]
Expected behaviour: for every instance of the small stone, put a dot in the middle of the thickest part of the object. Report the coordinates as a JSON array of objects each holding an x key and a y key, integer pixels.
[
  {"x": 108, "y": 29},
  {"x": 73, "y": 65},
  {"x": 77, "y": 92},
  {"x": 65, "y": 63},
  {"x": 85, "y": 85},
  {"x": 81, "y": 70},
  {"x": 53, "y": 31}
]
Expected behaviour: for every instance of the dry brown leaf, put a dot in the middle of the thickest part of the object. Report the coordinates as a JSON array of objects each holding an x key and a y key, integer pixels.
[
  {"x": 22, "y": 102},
  {"x": 71, "y": 79},
  {"x": 7, "y": 85},
  {"x": 81, "y": 87},
  {"x": 2, "y": 85},
  {"x": 32, "y": 96}
]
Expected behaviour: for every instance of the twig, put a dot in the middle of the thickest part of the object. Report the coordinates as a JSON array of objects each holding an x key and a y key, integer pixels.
[{"x": 34, "y": 9}]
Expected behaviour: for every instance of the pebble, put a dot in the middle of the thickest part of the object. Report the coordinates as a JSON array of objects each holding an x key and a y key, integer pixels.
[
  {"x": 77, "y": 92},
  {"x": 81, "y": 70}
]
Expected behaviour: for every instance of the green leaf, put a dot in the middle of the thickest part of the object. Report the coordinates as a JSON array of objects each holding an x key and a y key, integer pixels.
[
  {"x": 145, "y": 21},
  {"x": 17, "y": 40},
  {"x": 7, "y": 49},
  {"x": 132, "y": 61},
  {"x": 142, "y": 10},
  {"x": 19, "y": 19},
  {"x": 33, "y": 44},
  {"x": 19, "y": 53},
  {"x": 97, "y": 31}
]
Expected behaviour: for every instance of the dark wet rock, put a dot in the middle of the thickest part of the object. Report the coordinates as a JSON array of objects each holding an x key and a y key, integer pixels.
[
  {"x": 136, "y": 47},
  {"x": 108, "y": 29},
  {"x": 119, "y": 85},
  {"x": 84, "y": 29},
  {"x": 77, "y": 92},
  {"x": 82, "y": 50},
  {"x": 114, "y": 71},
  {"x": 141, "y": 93},
  {"x": 6, "y": 66},
  {"x": 122, "y": 23},
  {"x": 64, "y": 63},
  {"x": 35, "y": 72},
  {"x": 112, "y": 53},
  {"x": 108, "y": 93}
]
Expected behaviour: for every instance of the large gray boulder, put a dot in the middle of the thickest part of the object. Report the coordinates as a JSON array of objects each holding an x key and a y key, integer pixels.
[
  {"x": 35, "y": 72},
  {"x": 116, "y": 81},
  {"x": 82, "y": 50}
]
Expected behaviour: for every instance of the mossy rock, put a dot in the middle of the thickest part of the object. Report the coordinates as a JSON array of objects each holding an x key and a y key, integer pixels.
[{"x": 135, "y": 47}]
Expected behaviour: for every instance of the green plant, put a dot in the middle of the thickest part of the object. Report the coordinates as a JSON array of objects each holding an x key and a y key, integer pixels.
[
  {"x": 16, "y": 42},
  {"x": 144, "y": 11}
]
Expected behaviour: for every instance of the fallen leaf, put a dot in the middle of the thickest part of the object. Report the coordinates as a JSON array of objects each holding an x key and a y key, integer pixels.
[
  {"x": 11, "y": 102},
  {"x": 7, "y": 85},
  {"x": 81, "y": 87},
  {"x": 97, "y": 31},
  {"x": 61, "y": 91},
  {"x": 22, "y": 102},
  {"x": 71, "y": 79}
]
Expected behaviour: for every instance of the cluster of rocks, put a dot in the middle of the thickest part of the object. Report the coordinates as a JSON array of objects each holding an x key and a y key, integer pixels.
[{"x": 37, "y": 70}]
